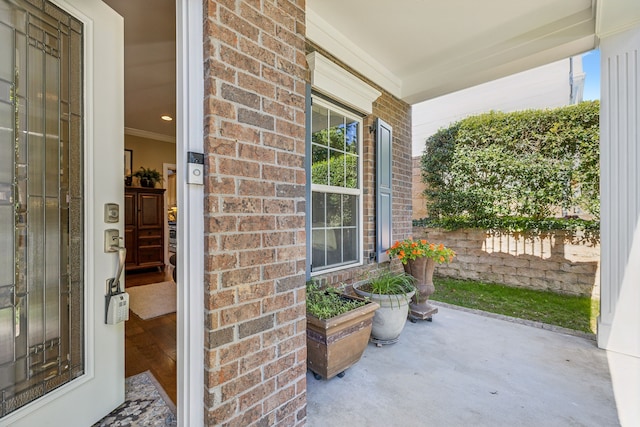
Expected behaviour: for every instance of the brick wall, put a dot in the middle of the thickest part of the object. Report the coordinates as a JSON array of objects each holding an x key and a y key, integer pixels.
[
  {"x": 255, "y": 76},
  {"x": 556, "y": 261},
  {"x": 396, "y": 113}
]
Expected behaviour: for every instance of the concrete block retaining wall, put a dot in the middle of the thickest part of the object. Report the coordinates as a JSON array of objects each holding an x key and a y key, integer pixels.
[{"x": 557, "y": 261}]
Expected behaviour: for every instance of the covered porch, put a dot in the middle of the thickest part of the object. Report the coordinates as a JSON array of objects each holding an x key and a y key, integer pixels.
[
  {"x": 469, "y": 369},
  {"x": 424, "y": 50}
]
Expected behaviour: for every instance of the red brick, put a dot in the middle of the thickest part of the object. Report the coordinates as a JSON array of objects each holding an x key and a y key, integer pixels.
[
  {"x": 278, "y": 302},
  {"x": 255, "y": 360},
  {"x": 289, "y": 376},
  {"x": 264, "y": 155},
  {"x": 279, "y": 239},
  {"x": 220, "y": 299},
  {"x": 278, "y": 110},
  {"x": 221, "y": 412},
  {"x": 279, "y": 206},
  {"x": 283, "y": 269},
  {"x": 221, "y": 262},
  {"x": 257, "y": 18},
  {"x": 220, "y": 71},
  {"x": 254, "y": 50},
  {"x": 256, "y": 395},
  {"x": 237, "y": 167},
  {"x": 263, "y": 256},
  {"x": 291, "y": 252},
  {"x": 239, "y": 132},
  {"x": 279, "y": 141},
  {"x": 220, "y": 108},
  {"x": 242, "y": 26},
  {"x": 222, "y": 374},
  {"x": 255, "y": 291},
  {"x": 256, "y": 84},
  {"x": 279, "y": 398},
  {"x": 281, "y": 48},
  {"x": 239, "y": 60},
  {"x": 235, "y": 387},
  {"x": 240, "y": 276},
  {"x": 221, "y": 147},
  {"x": 242, "y": 205},
  {"x": 292, "y": 313},
  {"x": 278, "y": 334},
  {"x": 238, "y": 350}
]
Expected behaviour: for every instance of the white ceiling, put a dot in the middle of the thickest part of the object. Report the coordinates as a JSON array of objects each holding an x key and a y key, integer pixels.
[
  {"x": 150, "y": 65},
  {"x": 416, "y": 49}
]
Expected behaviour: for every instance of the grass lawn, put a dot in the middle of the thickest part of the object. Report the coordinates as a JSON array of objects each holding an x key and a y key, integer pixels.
[{"x": 578, "y": 313}]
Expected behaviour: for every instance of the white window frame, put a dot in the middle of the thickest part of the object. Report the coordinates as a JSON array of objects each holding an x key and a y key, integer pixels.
[{"x": 359, "y": 192}]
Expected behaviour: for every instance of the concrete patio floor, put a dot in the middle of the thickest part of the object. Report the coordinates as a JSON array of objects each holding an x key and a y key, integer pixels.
[{"x": 465, "y": 369}]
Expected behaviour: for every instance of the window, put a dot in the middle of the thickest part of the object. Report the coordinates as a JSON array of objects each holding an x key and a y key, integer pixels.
[{"x": 336, "y": 187}]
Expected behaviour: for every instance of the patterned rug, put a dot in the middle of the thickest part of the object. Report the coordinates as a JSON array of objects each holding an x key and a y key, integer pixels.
[
  {"x": 146, "y": 404},
  {"x": 156, "y": 299}
]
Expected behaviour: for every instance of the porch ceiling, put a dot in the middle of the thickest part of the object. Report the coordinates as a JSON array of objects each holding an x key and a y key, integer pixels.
[{"x": 420, "y": 49}]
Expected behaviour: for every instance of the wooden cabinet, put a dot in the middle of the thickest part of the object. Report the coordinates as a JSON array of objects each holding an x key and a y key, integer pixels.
[{"x": 144, "y": 227}]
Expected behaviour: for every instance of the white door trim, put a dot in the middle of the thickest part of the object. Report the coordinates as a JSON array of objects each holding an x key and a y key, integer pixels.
[{"x": 190, "y": 225}]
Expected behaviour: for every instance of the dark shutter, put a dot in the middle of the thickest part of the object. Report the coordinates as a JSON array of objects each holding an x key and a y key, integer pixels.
[{"x": 384, "y": 217}]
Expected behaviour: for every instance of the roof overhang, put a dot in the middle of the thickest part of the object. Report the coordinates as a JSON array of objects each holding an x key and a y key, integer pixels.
[{"x": 418, "y": 49}]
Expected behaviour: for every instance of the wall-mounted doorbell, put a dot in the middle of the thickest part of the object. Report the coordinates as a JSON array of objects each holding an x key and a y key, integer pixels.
[{"x": 195, "y": 168}]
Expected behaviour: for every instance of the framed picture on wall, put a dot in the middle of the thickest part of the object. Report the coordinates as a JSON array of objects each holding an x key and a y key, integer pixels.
[
  {"x": 128, "y": 162},
  {"x": 128, "y": 166}
]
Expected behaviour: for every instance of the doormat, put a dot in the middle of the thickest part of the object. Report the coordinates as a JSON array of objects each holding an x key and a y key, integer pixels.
[
  {"x": 153, "y": 300},
  {"x": 145, "y": 404}
]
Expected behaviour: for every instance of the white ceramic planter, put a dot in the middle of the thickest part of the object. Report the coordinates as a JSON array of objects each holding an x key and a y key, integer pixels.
[{"x": 390, "y": 318}]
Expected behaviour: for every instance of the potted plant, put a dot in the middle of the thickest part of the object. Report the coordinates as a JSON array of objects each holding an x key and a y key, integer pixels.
[
  {"x": 148, "y": 177},
  {"x": 338, "y": 329},
  {"x": 393, "y": 291},
  {"x": 419, "y": 258}
]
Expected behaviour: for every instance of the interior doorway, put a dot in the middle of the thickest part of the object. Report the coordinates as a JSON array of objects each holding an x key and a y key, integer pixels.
[{"x": 150, "y": 214}]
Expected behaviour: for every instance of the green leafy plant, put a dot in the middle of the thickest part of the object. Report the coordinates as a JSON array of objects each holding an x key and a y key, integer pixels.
[
  {"x": 149, "y": 174},
  {"x": 525, "y": 163},
  {"x": 325, "y": 303},
  {"x": 397, "y": 286}
]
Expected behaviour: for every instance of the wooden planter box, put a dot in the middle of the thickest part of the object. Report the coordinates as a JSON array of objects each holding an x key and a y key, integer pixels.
[{"x": 335, "y": 344}]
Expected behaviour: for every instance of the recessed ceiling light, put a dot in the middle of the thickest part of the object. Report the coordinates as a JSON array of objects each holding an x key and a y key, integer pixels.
[{"x": 166, "y": 118}]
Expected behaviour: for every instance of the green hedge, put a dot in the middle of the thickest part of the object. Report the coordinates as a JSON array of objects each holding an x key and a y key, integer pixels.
[{"x": 522, "y": 164}]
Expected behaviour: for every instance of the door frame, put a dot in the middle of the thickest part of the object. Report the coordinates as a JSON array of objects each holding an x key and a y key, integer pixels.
[{"x": 190, "y": 225}]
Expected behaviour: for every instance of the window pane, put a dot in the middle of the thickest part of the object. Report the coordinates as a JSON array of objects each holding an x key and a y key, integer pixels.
[
  {"x": 336, "y": 131},
  {"x": 318, "y": 210},
  {"x": 351, "y": 137},
  {"x": 349, "y": 210},
  {"x": 334, "y": 210},
  {"x": 318, "y": 251},
  {"x": 334, "y": 246},
  {"x": 350, "y": 242},
  {"x": 351, "y": 164},
  {"x": 319, "y": 123},
  {"x": 336, "y": 168},
  {"x": 320, "y": 167}
]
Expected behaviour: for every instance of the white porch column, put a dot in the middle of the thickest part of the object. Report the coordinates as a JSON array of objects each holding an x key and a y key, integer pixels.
[{"x": 619, "y": 322}]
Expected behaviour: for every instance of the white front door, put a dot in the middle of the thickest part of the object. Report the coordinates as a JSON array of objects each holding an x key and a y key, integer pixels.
[{"x": 61, "y": 161}]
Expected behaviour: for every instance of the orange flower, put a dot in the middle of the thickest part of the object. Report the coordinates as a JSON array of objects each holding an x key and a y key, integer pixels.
[{"x": 409, "y": 249}]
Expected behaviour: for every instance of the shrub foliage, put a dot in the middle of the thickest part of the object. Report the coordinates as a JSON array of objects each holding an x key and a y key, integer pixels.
[{"x": 524, "y": 164}]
